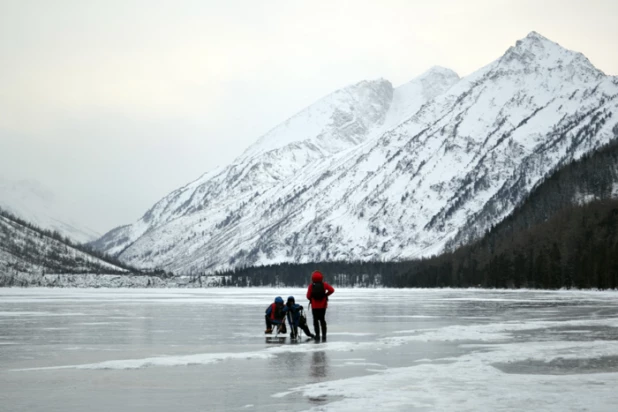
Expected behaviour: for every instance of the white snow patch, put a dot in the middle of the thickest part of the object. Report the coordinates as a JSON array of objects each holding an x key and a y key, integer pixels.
[
  {"x": 183, "y": 360},
  {"x": 30, "y": 313},
  {"x": 489, "y": 332},
  {"x": 363, "y": 364},
  {"x": 471, "y": 382},
  {"x": 207, "y": 358},
  {"x": 405, "y": 316}
]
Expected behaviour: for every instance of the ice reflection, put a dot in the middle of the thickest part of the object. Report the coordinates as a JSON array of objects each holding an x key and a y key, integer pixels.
[
  {"x": 319, "y": 365},
  {"x": 294, "y": 361}
]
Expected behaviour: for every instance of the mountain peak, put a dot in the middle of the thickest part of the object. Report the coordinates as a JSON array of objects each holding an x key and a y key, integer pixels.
[
  {"x": 439, "y": 71},
  {"x": 537, "y": 53},
  {"x": 435, "y": 81},
  {"x": 536, "y": 35},
  {"x": 345, "y": 115},
  {"x": 536, "y": 42}
]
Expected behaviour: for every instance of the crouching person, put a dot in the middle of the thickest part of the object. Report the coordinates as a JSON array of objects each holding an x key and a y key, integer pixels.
[
  {"x": 296, "y": 318},
  {"x": 275, "y": 315}
]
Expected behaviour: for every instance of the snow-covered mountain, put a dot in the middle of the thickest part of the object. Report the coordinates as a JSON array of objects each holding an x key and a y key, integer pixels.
[
  {"x": 33, "y": 202},
  {"x": 26, "y": 250},
  {"x": 376, "y": 172}
]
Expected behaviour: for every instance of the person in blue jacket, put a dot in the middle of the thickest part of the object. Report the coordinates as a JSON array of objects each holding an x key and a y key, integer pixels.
[
  {"x": 296, "y": 318},
  {"x": 275, "y": 315}
]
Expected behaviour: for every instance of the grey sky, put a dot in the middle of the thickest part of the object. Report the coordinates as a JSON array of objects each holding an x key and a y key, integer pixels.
[{"x": 113, "y": 104}]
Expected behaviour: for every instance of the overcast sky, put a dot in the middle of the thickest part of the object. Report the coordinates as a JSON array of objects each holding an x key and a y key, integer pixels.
[{"x": 113, "y": 104}]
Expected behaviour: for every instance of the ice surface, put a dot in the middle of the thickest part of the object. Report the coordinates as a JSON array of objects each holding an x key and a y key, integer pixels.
[
  {"x": 472, "y": 382},
  {"x": 464, "y": 350}
]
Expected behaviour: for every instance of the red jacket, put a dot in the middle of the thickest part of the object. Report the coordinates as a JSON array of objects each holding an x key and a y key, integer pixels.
[
  {"x": 274, "y": 314},
  {"x": 322, "y": 303}
]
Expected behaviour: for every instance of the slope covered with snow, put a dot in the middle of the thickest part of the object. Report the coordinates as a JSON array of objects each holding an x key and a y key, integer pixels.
[
  {"x": 31, "y": 201},
  {"x": 339, "y": 122},
  {"x": 385, "y": 173},
  {"x": 26, "y": 250}
]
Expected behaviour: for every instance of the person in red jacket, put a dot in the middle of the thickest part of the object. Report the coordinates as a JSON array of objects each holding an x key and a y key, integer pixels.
[
  {"x": 318, "y": 293},
  {"x": 275, "y": 315}
]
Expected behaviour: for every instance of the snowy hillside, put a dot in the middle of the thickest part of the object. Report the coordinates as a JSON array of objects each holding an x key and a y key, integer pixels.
[
  {"x": 372, "y": 172},
  {"x": 25, "y": 250},
  {"x": 33, "y": 202}
]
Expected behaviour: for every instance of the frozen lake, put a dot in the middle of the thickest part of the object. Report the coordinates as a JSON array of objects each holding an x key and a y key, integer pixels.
[{"x": 401, "y": 350}]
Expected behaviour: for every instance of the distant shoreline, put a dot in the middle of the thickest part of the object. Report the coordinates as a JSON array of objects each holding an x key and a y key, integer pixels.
[{"x": 137, "y": 281}]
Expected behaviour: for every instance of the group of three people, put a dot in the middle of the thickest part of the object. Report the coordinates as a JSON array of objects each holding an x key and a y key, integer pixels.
[{"x": 317, "y": 293}]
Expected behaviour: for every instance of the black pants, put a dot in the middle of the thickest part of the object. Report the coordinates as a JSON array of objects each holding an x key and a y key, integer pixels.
[
  {"x": 319, "y": 321},
  {"x": 305, "y": 328},
  {"x": 269, "y": 324}
]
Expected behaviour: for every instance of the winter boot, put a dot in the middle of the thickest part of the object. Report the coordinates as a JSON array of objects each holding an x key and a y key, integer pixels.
[
  {"x": 324, "y": 333},
  {"x": 268, "y": 331}
]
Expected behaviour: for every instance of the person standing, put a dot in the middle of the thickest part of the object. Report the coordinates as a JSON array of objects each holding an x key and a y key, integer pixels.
[{"x": 318, "y": 293}]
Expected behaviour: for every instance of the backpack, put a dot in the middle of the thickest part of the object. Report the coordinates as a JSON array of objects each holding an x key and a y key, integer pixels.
[
  {"x": 317, "y": 291},
  {"x": 302, "y": 320},
  {"x": 278, "y": 312}
]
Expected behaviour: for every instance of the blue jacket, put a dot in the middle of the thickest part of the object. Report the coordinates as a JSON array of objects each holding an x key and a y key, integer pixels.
[
  {"x": 276, "y": 315},
  {"x": 293, "y": 314}
]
